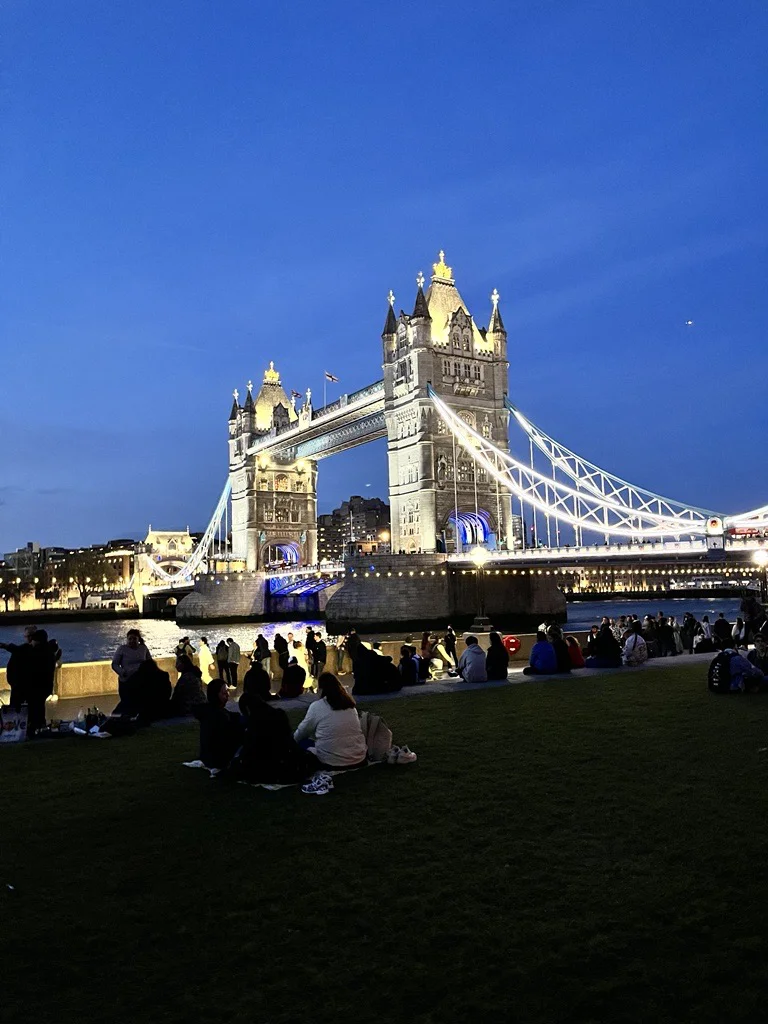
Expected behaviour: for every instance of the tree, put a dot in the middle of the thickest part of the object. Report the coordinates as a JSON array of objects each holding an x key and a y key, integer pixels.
[
  {"x": 46, "y": 588},
  {"x": 88, "y": 572},
  {"x": 12, "y": 587}
]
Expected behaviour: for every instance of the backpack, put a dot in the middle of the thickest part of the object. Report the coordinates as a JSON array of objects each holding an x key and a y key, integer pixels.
[
  {"x": 719, "y": 674},
  {"x": 378, "y": 735}
]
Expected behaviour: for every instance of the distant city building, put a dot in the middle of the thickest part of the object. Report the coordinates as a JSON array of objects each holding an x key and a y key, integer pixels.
[
  {"x": 516, "y": 532},
  {"x": 358, "y": 526}
]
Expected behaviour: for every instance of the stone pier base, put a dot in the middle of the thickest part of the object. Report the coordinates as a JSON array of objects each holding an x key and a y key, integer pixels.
[{"x": 421, "y": 591}]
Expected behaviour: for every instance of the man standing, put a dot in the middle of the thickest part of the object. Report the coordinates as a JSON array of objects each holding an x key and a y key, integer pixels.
[
  {"x": 450, "y": 644},
  {"x": 722, "y": 631},
  {"x": 319, "y": 655},
  {"x": 233, "y": 661},
  {"x": 30, "y": 676},
  {"x": 16, "y": 673}
]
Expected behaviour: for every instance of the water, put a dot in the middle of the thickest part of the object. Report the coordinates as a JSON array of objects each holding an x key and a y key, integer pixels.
[
  {"x": 583, "y": 614},
  {"x": 97, "y": 641}
]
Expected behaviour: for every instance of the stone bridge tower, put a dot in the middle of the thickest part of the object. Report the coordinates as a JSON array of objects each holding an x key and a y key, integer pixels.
[
  {"x": 439, "y": 500},
  {"x": 274, "y": 501}
]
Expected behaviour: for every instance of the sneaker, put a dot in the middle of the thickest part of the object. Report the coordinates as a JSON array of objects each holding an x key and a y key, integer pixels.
[
  {"x": 406, "y": 756},
  {"x": 318, "y": 785},
  {"x": 392, "y": 755}
]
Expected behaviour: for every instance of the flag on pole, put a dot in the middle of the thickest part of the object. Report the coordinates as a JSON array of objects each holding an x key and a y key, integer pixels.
[
  {"x": 296, "y": 394},
  {"x": 331, "y": 378}
]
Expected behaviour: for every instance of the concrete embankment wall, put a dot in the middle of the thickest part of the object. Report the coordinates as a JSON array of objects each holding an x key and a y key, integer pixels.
[{"x": 96, "y": 678}]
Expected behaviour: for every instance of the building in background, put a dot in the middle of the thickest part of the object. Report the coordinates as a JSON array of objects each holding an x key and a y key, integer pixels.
[{"x": 359, "y": 526}]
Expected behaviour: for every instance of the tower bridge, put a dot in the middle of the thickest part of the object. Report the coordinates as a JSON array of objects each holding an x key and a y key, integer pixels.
[{"x": 455, "y": 482}]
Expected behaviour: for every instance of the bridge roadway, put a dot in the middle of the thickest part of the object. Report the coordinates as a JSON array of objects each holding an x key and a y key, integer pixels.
[{"x": 351, "y": 420}]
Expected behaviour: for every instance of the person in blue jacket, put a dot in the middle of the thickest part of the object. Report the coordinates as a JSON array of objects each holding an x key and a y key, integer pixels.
[{"x": 543, "y": 660}]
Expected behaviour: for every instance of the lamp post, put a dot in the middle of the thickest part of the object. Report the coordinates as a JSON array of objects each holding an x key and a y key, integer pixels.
[
  {"x": 479, "y": 557},
  {"x": 760, "y": 559}
]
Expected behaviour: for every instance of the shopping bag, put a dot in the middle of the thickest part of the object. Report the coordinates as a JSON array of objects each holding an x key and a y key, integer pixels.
[{"x": 13, "y": 724}]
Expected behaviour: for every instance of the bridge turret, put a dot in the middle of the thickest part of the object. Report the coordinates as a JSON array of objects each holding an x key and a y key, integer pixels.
[
  {"x": 496, "y": 329},
  {"x": 235, "y": 410}
]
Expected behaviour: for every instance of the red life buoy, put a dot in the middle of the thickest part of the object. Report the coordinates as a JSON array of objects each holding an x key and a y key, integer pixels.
[{"x": 512, "y": 643}]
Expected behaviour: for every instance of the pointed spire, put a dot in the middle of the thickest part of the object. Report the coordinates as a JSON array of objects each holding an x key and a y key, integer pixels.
[
  {"x": 496, "y": 325},
  {"x": 249, "y": 406},
  {"x": 420, "y": 308},
  {"x": 235, "y": 411},
  {"x": 390, "y": 326}
]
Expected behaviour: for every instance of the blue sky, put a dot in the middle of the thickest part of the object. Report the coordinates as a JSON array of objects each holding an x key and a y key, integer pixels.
[{"x": 190, "y": 189}]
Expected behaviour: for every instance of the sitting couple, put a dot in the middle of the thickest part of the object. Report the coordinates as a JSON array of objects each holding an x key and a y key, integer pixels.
[{"x": 258, "y": 744}]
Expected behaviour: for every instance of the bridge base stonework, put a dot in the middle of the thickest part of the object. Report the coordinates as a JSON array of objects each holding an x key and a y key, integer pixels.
[
  {"x": 246, "y": 595},
  {"x": 425, "y": 591}
]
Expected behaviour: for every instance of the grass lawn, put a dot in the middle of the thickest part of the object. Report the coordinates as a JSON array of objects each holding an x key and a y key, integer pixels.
[{"x": 591, "y": 850}]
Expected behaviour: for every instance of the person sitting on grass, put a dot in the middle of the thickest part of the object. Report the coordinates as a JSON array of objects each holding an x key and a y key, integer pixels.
[
  {"x": 497, "y": 658},
  {"x": 409, "y": 666},
  {"x": 373, "y": 672},
  {"x": 188, "y": 690},
  {"x": 333, "y": 724},
  {"x": 294, "y": 677},
  {"x": 221, "y": 731},
  {"x": 254, "y": 679},
  {"x": 543, "y": 660},
  {"x": 560, "y": 647},
  {"x": 472, "y": 662},
  {"x": 746, "y": 676},
  {"x": 759, "y": 656},
  {"x": 607, "y": 650},
  {"x": 574, "y": 652},
  {"x": 635, "y": 649},
  {"x": 146, "y": 694},
  {"x": 269, "y": 753}
]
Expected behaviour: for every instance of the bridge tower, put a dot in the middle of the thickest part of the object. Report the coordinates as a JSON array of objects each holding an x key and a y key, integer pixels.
[
  {"x": 439, "y": 499},
  {"x": 274, "y": 499}
]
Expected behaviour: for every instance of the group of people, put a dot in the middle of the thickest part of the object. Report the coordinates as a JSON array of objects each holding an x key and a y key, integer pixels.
[
  {"x": 256, "y": 743},
  {"x": 30, "y": 674}
]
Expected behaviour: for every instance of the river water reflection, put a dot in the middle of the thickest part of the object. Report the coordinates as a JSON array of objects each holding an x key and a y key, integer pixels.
[{"x": 97, "y": 641}]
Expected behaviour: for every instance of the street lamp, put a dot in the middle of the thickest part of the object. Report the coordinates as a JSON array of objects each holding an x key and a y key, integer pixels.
[
  {"x": 760, "y": 559},
  {"x": 479, "y": 556}
]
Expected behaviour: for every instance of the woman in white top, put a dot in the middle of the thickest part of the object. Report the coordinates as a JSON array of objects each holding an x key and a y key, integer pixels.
[{"x": 334, "y": 723}]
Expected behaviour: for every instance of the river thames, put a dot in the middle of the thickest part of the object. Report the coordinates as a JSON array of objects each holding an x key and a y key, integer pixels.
[{"x": 97, "y": 641}]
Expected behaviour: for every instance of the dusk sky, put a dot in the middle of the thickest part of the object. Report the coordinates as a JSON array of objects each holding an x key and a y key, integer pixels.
[{"x": 190, "y": 189}]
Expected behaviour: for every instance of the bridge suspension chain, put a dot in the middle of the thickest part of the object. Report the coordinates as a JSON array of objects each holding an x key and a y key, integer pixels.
[
  {"x": 583, "y": 508},
  {"x": 204, "y": 547}
]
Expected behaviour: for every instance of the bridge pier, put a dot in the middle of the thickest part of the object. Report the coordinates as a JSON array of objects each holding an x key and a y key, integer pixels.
[{"x": 426, "y": 591}]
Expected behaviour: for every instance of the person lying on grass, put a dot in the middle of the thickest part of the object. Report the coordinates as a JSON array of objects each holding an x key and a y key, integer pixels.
[{"x": 333, "y": 723}]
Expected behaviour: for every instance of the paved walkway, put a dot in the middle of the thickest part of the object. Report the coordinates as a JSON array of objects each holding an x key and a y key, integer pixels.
[
  {"x": 514, "y": 678},
  {"x": 68, "y": 709}
]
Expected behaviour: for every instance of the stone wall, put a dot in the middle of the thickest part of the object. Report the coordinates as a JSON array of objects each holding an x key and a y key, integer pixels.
[
  {"x": 234, "y": 596},
  {"x": 424, "y": 591}
]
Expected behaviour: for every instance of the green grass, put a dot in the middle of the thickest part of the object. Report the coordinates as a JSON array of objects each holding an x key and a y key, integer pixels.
[{"x": 592, "y": 850}]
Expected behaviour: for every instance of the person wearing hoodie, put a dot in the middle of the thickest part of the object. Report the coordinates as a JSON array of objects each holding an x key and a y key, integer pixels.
[
  {"x": 543, "y": 660},
  {"x": 472, "y": 662}
]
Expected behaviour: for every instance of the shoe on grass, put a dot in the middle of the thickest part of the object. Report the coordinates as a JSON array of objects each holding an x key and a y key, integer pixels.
[{"x": 406, "y": 756}]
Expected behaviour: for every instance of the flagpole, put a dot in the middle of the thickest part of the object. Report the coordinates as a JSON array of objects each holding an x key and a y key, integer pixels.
[{"x": 325, "y": 388}]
